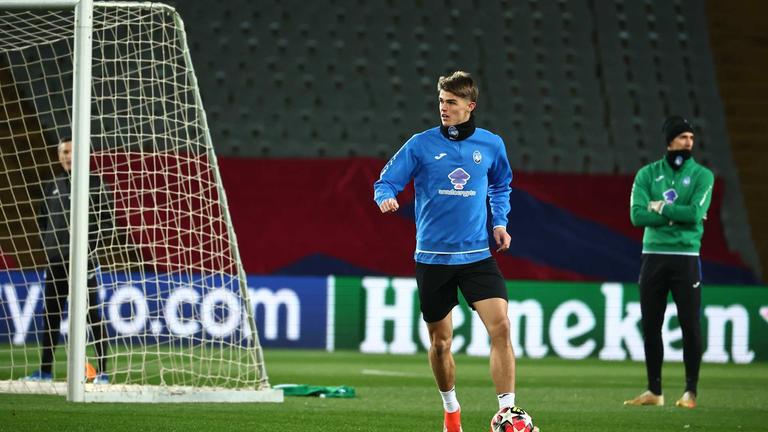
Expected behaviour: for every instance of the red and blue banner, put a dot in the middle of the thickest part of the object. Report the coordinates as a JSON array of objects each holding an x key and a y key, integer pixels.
[
  {"x": 315, "y": 217},
  {"x": 318, "y": 217}
]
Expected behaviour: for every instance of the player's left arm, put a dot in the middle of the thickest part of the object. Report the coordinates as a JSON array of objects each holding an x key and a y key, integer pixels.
[
  {"x": 696, "y": 210},
  {"x": 102, "y": 211},
  {"x": 499, "y": 178},
  {"x": 42, "y": 212}
]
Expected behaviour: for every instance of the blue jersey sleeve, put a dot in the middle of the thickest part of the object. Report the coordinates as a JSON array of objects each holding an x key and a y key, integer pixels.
[
  {"x": 499, "y": 178},
  {"x": 397, "y": 173}
]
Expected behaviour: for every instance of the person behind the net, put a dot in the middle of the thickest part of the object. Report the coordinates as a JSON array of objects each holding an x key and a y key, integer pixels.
[
  {"x": 456, "y": 167},
  {"x": 670, "y": 198},
  {"x": 53, "y": 221}
]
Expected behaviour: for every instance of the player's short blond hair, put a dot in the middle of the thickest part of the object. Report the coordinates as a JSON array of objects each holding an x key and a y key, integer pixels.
[{"x": 459, "y": 83}]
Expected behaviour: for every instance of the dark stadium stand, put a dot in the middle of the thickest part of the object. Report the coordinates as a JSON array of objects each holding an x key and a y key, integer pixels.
[
  {"x": 576, "y": 78},
  {"x": 571, "y": 86},
  {"x": 739, "y": 50}
]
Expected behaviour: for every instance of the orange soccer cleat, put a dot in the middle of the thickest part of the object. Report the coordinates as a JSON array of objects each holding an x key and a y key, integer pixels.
[
  {"x": 452, "y": 422},
  {"x": 90, "y": 372}
]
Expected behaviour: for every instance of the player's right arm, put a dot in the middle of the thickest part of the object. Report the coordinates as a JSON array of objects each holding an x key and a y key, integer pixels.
[
  {"x": 700, "y": 200},
  {"x": 395, "y": 175},
  {"x": 639, "y": 213}
]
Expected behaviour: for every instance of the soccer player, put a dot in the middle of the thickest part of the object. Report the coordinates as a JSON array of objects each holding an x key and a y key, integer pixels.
[
  {"x": 670, "y": 198},
  {"x": 456, "y": 167},
  {"x": 53, "y": 221}
]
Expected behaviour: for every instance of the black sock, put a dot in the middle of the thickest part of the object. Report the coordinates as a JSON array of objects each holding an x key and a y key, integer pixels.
[
  {"x": 655, "y": 386},
  {"x": 690, "y": 386}
]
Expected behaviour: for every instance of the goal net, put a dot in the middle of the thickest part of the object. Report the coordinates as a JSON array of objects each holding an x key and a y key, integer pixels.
[{"x": 169, "y": 316}]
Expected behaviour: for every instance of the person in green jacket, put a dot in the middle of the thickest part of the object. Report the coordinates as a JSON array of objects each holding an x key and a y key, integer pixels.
[{"x": 670, "y": 198}]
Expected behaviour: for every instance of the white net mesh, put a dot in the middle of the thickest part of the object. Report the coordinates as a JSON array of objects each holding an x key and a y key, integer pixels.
[{"x": 166, "y": 304}]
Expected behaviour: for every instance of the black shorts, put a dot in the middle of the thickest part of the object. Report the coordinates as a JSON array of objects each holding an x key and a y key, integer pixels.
[{"x": 438, "y": 282}]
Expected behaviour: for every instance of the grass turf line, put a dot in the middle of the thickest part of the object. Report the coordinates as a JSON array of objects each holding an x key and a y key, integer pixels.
[{"x": 561, "y": 395}]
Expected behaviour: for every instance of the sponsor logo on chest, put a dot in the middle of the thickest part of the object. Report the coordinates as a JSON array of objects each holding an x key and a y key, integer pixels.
[
  {"x": 670, "y": 195},
  {"x": 459, "y": 178}
]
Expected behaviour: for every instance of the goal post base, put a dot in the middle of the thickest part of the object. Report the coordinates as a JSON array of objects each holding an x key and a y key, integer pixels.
[
  {"x": 158, "y": 394},
  {"x": 130, "y": 393}
]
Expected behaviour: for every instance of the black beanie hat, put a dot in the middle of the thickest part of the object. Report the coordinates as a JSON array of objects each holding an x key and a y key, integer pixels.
[{"x": 674, "y": 126}]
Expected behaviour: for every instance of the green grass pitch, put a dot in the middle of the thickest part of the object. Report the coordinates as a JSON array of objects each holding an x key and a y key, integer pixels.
[{"x": 397, "y": 393}]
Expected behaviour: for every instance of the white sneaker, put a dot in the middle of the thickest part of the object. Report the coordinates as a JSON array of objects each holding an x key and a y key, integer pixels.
[{"x": 101, "y": 378}]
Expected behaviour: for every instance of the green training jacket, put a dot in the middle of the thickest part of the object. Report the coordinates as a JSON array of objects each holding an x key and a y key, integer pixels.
[{"x": 687, "y": 193}]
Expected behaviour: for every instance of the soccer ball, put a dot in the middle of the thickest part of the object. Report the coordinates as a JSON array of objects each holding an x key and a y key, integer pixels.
[{"x": 511, "y": 419}]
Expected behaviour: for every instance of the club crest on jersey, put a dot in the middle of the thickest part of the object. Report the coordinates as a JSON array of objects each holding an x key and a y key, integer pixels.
[
  {"x": 459, "y": 178},
  {"x": 687, "y": 181},
  {"x": 477, "y": 157},
  {"x": 670, "y": 195}
]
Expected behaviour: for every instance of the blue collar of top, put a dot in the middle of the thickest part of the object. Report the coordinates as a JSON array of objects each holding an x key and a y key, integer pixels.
[{"x": 460, "y": 131}]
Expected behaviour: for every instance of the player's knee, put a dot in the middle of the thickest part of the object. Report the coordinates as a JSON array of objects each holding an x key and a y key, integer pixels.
[
  {"x": 499, "y": 329},
  {"x": 690, "y": 329},
  {"x": 650, "y": 326},
  {"x": 441, "y": 346}
]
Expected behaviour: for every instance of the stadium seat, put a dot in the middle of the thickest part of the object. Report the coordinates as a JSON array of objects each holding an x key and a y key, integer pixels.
[{"x": 374, "y": 64}]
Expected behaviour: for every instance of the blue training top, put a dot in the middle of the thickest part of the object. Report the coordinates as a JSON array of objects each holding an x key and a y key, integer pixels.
[{"x": 452, "y": 180}]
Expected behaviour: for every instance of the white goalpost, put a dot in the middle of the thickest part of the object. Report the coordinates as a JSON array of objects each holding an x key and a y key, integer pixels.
[{"x": 135, "y": 235}]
